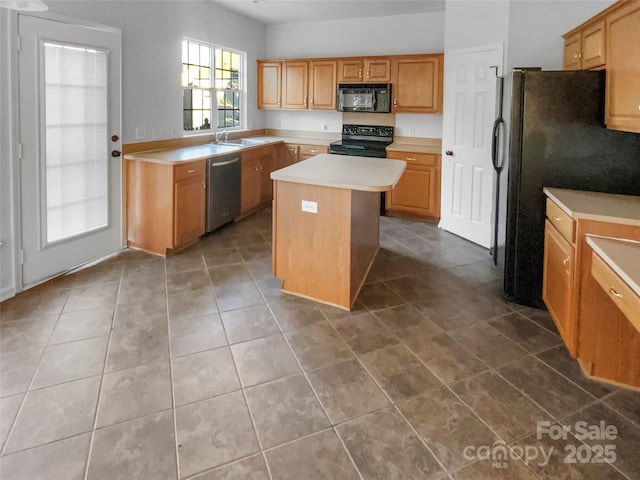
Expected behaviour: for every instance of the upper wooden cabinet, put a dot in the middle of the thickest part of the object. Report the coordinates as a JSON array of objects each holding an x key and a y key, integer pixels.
[
  {"x": 609, "y": 41},
  {"x": 417, "y": 83},
  {"x": 310, "y": 83},
  {"x": 294, "y": 85},
  {"x": 622, "y": 108},
  {"x": 269, "y": 84},
  {"x": 585, "y": 49},
  {"x": 297, "y": 84},
  {"x": 322, "y": 84}
]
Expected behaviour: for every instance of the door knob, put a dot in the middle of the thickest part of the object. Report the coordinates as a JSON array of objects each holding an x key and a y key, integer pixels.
[
  {"x": 449, "y": 153},
  {"x": 115, "y": 138},
  {"x": 116, "y": 153}
]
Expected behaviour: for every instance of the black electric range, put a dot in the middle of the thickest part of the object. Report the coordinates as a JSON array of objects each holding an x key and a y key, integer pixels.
[{"x": 364, "y": 141}]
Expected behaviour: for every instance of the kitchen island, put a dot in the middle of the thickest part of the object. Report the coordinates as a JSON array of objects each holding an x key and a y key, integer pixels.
[{"x": 326, "y": 224}]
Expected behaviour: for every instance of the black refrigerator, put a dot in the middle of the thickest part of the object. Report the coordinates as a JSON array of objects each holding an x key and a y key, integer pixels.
[{"x": 558, "y": 139}]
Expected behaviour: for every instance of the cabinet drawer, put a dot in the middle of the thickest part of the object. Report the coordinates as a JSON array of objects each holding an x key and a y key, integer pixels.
[
  {"x": 188, "y": 170},
  {"x": 413, "y": 157},
  {"x": 617, "y": 290},
  {"x": 559, "y": 219},
  {"x": 312, "y": 149}
]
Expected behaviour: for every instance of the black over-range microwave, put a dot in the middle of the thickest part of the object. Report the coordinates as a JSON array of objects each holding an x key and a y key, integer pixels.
[{"x": 364, "y": 97}]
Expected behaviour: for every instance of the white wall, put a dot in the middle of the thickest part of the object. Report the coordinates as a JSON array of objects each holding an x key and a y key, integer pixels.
[
  {"x": 400, "y": 34},
  {"x": 151, "y": 66}
]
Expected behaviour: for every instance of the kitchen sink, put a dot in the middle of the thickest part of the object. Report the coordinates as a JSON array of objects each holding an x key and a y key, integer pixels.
[{"x": 243, "y": 142}]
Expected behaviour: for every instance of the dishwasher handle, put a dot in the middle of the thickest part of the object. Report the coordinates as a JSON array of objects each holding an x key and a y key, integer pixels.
[{"x": 222, "y": 164}]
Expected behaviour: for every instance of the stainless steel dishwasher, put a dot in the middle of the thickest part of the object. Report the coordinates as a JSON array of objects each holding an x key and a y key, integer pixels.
[{"x": 223, "y": 190}]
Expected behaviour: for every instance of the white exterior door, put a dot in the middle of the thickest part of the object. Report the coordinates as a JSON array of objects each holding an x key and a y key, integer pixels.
[
  {"x": 69, "y": 80},
  {"x": 467, "y": 170}
]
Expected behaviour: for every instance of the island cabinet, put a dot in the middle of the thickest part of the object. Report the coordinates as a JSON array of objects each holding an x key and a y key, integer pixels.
[
  {"x": 605, "y": 42},
  {"x": 417, "y": 83},
  {"x": 165, "y": 205},
  {"x": 417, "y": 193},
  {"x": 594, "y": 329},
  {"x": 356, "y": 70},
  {"x": 255, "y": 188}
]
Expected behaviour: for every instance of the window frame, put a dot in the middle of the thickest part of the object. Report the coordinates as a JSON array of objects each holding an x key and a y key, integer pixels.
[{"x": 213, "y": 91}]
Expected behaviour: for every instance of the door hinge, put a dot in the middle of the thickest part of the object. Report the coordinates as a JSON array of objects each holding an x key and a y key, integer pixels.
[
  {"x": 19, "y": 151},
  {"x": 22, "y": 256},
  {"x": 19, "y": 43}
]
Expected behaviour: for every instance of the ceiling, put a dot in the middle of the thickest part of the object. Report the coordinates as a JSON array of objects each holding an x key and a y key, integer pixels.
[{"x": 291, "y": 11}]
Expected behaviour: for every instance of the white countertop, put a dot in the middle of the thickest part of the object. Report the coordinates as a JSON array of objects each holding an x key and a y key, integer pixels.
[
  {"x": 603, "y": 207},
  {"x": 344, "y": 171},
  {"x": 185, "y": 154},
  {"x": 623, "y": 256}
]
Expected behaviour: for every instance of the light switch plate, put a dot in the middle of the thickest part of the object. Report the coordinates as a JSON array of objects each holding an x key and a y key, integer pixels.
[{"x": 311, "y": 207}]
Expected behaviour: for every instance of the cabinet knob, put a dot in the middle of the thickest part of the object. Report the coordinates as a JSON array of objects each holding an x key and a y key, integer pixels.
[
  {"x": 557, "y": 219},
  {"x": 360, "y": 73},
  {"x": 395, "y": 102},
  {"x": 411, "y": 159},
  {"x": 449, "y": 153},
  {"x": 116, "y": 153},
  {"x": 190, "y": 171}
]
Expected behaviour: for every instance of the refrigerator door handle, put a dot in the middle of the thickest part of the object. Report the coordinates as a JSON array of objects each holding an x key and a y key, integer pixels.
[{"x": 495, "y": 135}]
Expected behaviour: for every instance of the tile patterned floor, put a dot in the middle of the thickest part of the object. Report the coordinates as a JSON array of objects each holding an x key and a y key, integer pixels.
[{"x": 197, "y": 366}]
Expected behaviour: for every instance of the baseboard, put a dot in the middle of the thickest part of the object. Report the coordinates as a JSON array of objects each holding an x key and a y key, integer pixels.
[{"x": 7, "y": 292}]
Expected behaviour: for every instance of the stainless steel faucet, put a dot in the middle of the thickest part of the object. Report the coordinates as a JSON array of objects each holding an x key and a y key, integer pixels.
[
  {"x": 218, "y": 135},
  {"x": 226, "y": 135}
]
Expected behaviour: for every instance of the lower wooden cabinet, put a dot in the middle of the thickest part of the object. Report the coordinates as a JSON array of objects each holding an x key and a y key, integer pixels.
[
  {"x": 557, "y": 282},
  {"x": 417, "y": 193},
  {"x": 165, "y": 205},
  {"x": 308, "y": 151},
  {"x": 256, "y": 183}
]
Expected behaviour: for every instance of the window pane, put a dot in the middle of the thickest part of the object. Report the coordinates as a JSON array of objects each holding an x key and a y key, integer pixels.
[
  {"x": 194, "y": 53},
  {"x": 205, "y": 56},
  {"x": 185, "y": 51},
  {"x": 75, "y": 123}
]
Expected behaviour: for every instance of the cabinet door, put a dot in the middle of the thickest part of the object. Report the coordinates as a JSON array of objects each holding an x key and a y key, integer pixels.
[
  {"x": 572, "y": 48},
  {"x": 377, "y": 70},
  {"x": 188, "y": 210},
  {"x": 265, "y": 164},
  {"x": 593, "y": 52},
  {"x": 269, "y": 84},
  {"x": 322, "y": 85},
  {"x": 417, "y": 84},
  {"x": 251, "y": 183},
  {"x": 557, "y": 283},
  {"x": 350, "y": 70},
  {"x": 294, "y": 85},
  {"x": 293, "y": 153},
  {"x": 622, "y": 110}
]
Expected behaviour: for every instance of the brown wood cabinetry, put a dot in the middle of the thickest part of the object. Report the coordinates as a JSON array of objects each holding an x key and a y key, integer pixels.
[
  {"x": 294, "y": 85},
  {"x": 417, "y": 83},
  {"x": 417, "y": 193},
  {"x": 608, "y": 41},
  {"x": 585, "y": 49},
  {"x": 367, "y": 70},
  {"x": 310, "y": 84},
  {"x": 322, "y": 84},
  {"x": 256, "y": 183},
  {"x": 557, "y": 282},
  {"x": 165, "y": 205},
  {"x": 269, "y": 84},
  {"x": 622, "y": 108},
  {"x": 308, "y": 151}
]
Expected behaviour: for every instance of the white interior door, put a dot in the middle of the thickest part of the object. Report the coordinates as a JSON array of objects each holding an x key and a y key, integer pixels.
[
  {"x": 69, "y": 80},
  {"x": 467, "y": 171}
]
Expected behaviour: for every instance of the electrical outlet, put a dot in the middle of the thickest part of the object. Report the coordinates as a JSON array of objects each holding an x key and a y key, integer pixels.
[
  {"x": 325, "y": 126},
  {"x": 412, "y": 131},
  {"x": 311, "y": 207},
  {"x": 141, "y": 133}
]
